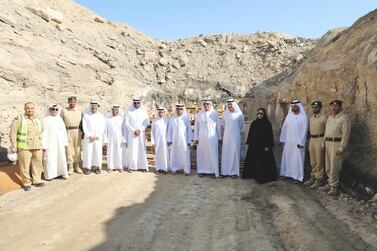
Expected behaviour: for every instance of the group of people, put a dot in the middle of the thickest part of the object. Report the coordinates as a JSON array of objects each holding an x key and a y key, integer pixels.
[
  {"x": 57, "y": 142},
  {"x": 53, "y": 146},
  {"x": 328, "y": 139}
]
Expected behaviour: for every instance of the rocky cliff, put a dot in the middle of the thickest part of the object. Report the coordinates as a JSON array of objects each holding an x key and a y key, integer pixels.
[
  {"x": 341, "y": 66},
  {"x": 50, "y": 50}
]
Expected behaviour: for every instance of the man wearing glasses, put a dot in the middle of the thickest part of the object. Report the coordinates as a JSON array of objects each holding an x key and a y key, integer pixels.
[
  {"x": 54, "y": 142},
  {"x": 136, "y": 121}
]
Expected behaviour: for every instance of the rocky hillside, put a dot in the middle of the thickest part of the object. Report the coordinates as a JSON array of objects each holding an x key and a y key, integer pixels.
[
  {"x": 341, "y": 66},
  {"x": 51, "y": 49}
]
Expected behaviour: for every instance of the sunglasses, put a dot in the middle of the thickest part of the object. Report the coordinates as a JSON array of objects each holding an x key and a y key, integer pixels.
[
  {"x": 179, "y": 109},
  {"x": 54, "y": 109},
  {"x": 137, "y": 103}
]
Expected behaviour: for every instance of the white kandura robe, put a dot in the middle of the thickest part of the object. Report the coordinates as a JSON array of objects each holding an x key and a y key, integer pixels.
[
  {"x": 137, "y": 156},
  {"x": 231, "y": 151},
  {"x": 158, "y": 139},
  {"x": 293, "y": 133},
  {"x": 125, "y": 140},
  {"x": 114, "y": 139},
  {"x": 179, "y": 134},
  {"x": 208, "y": 131},
  {"x": 54, "y": 140},
  {"x": 93, "y": 125}
]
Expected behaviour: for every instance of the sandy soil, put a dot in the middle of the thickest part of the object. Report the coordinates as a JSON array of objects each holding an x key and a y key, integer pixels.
[{"x": 144, "y": 211}]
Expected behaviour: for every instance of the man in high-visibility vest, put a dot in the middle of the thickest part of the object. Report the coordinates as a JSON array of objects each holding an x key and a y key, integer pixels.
[{"x": 25, "y": 138}]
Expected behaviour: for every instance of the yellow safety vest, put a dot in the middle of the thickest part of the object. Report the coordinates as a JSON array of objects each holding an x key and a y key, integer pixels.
[{"x": 22, "y": 131}]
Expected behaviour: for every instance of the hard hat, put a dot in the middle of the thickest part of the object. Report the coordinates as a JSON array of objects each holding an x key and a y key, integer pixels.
[{"x": 12, "y": 156}]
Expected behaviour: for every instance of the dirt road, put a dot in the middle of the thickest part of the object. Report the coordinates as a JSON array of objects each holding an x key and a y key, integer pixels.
[{"x": 144, "y": 211}]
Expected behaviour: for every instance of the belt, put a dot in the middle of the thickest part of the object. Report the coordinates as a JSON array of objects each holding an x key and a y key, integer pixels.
[
  {"x": 317, "y": 135},
  {"x": 334, "y": 139},
  {"x": 72, "y": 127}
]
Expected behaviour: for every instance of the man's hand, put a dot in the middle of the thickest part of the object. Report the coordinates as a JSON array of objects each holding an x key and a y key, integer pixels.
[
  {"x": 340, "y": 151},
  {"x": 266, "y": 149},
  {"x": 169, "y": 143},
  {"x": 92, "y": 138},
  {"x": 124, "y": 145},
  {"x": 196, "y": 142},
  {"x": 137, "y": 132},
  {"x": 13, "y": 149},
  {"x": 300, "y": 146}
]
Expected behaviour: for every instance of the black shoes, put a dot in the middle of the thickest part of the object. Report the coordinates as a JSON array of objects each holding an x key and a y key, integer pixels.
[
  {"x": 86, "y": 171},
  {"x": 40, "y": 184},
  {"x": 27, "y": 188}
]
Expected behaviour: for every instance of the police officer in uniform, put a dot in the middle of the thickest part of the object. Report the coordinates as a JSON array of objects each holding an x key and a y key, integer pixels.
[
  {"x": 72, "y": 119},
  {"x": 337, "y": 133},
  {"x": 317, "y": 124}
]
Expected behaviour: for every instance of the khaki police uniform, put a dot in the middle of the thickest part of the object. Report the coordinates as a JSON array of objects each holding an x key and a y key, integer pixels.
[
  {"x": 32, "y": 153},
  {"x": 337, "y": 133},
  {"x": 72, "y": 118},
  {"x": 317, "y": 124}
]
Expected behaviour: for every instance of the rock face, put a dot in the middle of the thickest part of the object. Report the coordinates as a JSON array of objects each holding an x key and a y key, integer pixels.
[
  {"x": 52, "y": 49},
  {"x": 341, "y": 66}
]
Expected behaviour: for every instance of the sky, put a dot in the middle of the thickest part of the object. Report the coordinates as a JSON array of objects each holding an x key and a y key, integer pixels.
[{"x": 174, "y": 19}]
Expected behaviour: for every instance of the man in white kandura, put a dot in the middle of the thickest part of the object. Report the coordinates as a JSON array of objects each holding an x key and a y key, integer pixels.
[
  {"x": 293, "y": 136},
  {"x": 125, "y": 144},
  {"x": 207, "y": 134},
  {"x": 233, "y": 122},
  {"x": 94, "y": 129},
  {"x": 158, "y": 139},
  {"x": 114, "y": 139},
  {"x": 136, "y": 123},
  {"x": 179, "y": 137},
  {"x": 54, "y": 143}
]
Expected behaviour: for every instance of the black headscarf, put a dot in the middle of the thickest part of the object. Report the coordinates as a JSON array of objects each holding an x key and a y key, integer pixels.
[{"x": 260, "y": 133}]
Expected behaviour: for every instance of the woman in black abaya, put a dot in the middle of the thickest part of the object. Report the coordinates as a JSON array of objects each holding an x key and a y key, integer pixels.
[{"x": 260, "y": 162}]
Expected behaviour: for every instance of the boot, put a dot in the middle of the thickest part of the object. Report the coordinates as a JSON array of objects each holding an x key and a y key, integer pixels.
[
  {"x": 317, "y": 184},
  {"x": 333, "y": 191},
  {"x": 310, "y": 181},
  {"x": 70, "y": 169},
  {"x": 77, "y": 168},
  {"x": 324, "y": 188}
]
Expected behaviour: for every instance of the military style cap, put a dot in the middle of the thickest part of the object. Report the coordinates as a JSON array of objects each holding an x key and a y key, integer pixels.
[
  {"x": 336, "y": 102},
  {"x": 317, "y": 103},
  {"x": 296, "y": 101},
  {"x": 72, "y": 98}
]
